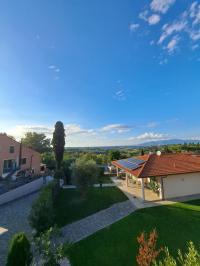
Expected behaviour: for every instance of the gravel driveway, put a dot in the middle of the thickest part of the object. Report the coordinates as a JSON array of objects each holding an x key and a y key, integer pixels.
[{"x": 13, "y": 217}]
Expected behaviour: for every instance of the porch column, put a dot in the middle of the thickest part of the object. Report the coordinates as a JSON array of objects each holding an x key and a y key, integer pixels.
[
  {"x": 127, "y": 179},
  {"x": 161, "y": 194},
  {"x": 142, "y": 189},
  {"x": 117, "y": 169}
]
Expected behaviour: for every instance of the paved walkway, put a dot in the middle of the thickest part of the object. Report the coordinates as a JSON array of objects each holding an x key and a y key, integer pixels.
[
  {"x": 85, "y": 227},
  {"x": 95, "y": 185},
  {"x": 13, "y": 218}
]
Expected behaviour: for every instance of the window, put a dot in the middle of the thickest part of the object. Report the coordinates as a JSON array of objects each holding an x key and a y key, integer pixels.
[
  {"x": 23, "y": 161},
  {"x": 12, "y": 149}
]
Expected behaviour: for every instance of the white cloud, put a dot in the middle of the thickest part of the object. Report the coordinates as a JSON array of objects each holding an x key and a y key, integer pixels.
[
  {"x": 153, "y": 19},
  {"x": 169, "y": 29},
  {"x": 163, "y": 61},
  {"x": 172, "y": 45},
  {"x": 143, "y": 15},
  {"x": 133, "y": 27},
  {"x": 120, "y": 95},
  {"x": 51, "y": 67},
  {"x": 161, "y": 6},
  {"x": 113, "y": 128},
  {"x": 149, "y": 136},
  {"x": 194, "y": 12},
  {"x": 75, "y": 129},
  {"x": 195, "y": 35},
  {"x": 194, "y": 47}
]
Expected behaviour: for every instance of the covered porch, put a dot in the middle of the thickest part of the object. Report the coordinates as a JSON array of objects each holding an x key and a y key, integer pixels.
[{"x": 144, "y": 189}]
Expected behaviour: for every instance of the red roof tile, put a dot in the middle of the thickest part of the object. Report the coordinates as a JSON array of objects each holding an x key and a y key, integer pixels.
[{"x": 165, "y": 164}]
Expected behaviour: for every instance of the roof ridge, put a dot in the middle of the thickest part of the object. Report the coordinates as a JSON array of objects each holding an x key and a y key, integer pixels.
[{"x": 143, "y": 165}]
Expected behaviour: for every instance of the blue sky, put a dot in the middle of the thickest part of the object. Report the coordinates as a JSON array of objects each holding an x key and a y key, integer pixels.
[{"x": 115, "y": 72}]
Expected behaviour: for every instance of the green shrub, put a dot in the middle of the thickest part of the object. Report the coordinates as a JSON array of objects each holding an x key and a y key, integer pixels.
[
  {"x": 190, "y": 258},
  {"x": 49, "y": 248},
  {"x": 84, "y": 174},
  {"x": 19, "y": 252},
  {"x": 59, "y": 174},
  {"x": 66, "y": 166},
  {"x": 42, "y": 215}
]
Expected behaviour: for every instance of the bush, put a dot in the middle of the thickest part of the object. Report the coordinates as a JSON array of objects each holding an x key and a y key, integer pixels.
[
  {"x": 84, "y": 174},
  {"x": 148, "y": 251},
  {"x": 49, "y": 248},
  {"x": 190, "y": 258},
  {"x": 101, "y": 176},
  {"x": 49, "y": 160},
  {"x": 19, "y": 252},
  {"x": 66, "y": 166},
  {"x": 42, "y": 213}
]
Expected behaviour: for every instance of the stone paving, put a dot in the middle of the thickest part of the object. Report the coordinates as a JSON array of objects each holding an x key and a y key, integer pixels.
[
  {"x": 13, "y": 218},
  {"x": 85, "y": 227}
]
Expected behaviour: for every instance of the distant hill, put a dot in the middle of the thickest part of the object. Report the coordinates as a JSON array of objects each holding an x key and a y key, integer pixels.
[{"x": 168, "y": 142}]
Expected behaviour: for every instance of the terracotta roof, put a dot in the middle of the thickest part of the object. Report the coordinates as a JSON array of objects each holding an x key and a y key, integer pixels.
[{"x": 165, "y": 164}]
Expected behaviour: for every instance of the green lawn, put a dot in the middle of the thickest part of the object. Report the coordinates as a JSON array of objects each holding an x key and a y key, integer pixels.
[
  {"x": 71, "y": 207},
  {"x": 176, "y": 225}
]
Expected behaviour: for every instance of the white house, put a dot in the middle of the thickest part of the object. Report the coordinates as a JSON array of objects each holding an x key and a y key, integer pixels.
[{"x": 176, "y": 174}]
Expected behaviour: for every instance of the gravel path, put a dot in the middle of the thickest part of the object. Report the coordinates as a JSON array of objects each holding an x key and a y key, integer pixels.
[
  {"x": 13, "y": 217},
  {"x": 85, "y": 227}
]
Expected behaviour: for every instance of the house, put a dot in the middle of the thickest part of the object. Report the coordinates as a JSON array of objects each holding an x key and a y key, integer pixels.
[
  {"x": 14, "y": 156},
  {"x": 174, "y": 175}
]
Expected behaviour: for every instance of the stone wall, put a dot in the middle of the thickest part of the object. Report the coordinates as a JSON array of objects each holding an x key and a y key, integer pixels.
[{"x": 21, "y": 191}]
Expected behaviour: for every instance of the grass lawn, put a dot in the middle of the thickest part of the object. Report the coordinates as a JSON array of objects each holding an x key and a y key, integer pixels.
[
  {"x": 71, "y": 207},
  {"x": 116, "y": 245}
]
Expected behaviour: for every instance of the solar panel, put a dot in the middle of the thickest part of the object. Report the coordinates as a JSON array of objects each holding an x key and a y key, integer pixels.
[
  {"x": 135, "y": 160},
  {"x": 130, "y": 163}
]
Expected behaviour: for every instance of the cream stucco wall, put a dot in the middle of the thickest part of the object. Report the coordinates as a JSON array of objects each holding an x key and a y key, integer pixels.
[{"x": 181, "y": 185}]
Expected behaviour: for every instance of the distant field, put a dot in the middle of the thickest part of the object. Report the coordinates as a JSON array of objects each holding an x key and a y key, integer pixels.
[{"x": 116, "y": 245}]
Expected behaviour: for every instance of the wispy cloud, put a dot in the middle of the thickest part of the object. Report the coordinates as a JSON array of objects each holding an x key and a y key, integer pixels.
[
  {"x": 133, "y": 27},
  {"x": 149, "y": 136},
  {"x": 120, "y": 95},
  {"x": 153, "y": 19},
  {"x": 75, "y": 129},
  {"x": 55, "y": 70},
  {"x": 185, "y": 26},
  {"x": 173, "y": 44},
  {"x": 116, "y": 128},
  {"x": 161, "y": 6}
]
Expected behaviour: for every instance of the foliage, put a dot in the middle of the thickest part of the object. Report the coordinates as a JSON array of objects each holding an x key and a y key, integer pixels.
[
  {"x": 19, "y": 252},
  {"x": 42, "y": 215},
  {"x": 153, "y": 185},
  {"x": 190, "y": 258},
  {"x": 49, "y": 159},
  {"x": 114, "y": 155},
  {"x": 59, "y": 174},
  {"x": 101, "y": 176},
  {"x": 58, "y": 142},
  {"x": 84, "y": 174},
  {"x": 37, "y": 141},
  {"x": 48, "y": 248},
  {"x": 66, "y": 167},
  {"x": 148, "y": 251}
]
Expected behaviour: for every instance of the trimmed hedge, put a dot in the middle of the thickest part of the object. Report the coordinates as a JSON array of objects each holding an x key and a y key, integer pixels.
[{"x": 19, "y": 252}]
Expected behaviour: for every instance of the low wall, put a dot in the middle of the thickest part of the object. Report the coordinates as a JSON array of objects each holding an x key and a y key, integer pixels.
[{"x": 21, "y": 191}]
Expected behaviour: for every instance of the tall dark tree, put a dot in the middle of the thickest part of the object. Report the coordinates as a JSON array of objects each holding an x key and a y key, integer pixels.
[{"x": 58, "y": 142}]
